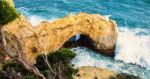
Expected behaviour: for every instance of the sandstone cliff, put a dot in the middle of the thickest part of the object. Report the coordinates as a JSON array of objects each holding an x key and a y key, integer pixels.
[
  {"x": 88, "y": 72},
  {"x": 50, "y": 36}
]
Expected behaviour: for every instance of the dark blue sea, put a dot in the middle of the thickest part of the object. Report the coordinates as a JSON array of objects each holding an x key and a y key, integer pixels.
[{"x": 133, "y": 20}]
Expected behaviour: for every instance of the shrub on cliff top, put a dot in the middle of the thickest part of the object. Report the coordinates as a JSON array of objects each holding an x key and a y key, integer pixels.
[
  {"x": 13, "y": 70},
  {"x": 7, "y": 12},
  {"x": 58, "y": 60}
]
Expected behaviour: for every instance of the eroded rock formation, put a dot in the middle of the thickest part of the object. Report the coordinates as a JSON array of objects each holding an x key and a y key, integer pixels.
[
  {"x": 50, "y": 36},
  {"x": 88, "y": 72}
]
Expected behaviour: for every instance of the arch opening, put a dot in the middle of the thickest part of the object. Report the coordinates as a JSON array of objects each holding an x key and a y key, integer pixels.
[{"x": 81, "y": 40}]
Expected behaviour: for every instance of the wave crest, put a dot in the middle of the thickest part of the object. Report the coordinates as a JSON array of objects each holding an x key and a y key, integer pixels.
[{"x": 133, "y": 47}]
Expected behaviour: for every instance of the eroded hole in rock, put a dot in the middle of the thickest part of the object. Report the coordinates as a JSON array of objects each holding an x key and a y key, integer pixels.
[{"x": 81, "y": 40}]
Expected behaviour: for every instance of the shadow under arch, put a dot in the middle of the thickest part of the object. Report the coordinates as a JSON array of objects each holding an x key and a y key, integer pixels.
[{"x": 81, "y": 40}]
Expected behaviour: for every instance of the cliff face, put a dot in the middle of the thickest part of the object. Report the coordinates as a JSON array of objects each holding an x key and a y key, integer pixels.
[
  {"x": 50, "y": 36},
  {"x": 101, "y": 31}
]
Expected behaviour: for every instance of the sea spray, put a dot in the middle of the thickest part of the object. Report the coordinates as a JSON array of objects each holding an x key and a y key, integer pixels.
[
  {"x": 35, "y": 20},
  {"x": 87, "y": 57},
  {"x": 133, "y": 47}
]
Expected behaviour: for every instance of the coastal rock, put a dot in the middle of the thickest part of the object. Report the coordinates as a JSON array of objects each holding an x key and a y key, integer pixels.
[
  {"x": 52, "y": 35},
  {"x": 101, "y": 31},
  {"x": 88, "y": 72}
]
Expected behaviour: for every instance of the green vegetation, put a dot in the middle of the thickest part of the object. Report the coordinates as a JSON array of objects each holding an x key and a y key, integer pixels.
[
  {"x": 59, "y": 62},
  {"x": 13, "y": 70},
  {"x": 7, "y": 12}
]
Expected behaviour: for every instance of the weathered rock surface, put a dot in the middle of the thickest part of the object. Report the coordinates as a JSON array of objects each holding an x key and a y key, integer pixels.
[
  {"x": 94, "y": 73},
  {"x": 88, "y": 72},
  {"x": 101, "y": 31},
  {"x": 52, "y": 35}
]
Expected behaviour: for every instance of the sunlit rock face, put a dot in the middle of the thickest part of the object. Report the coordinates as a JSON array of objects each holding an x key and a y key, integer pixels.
[
  {"x": 87, "y": 72},
  {"x": 11, "y": 2},
  {"x": 94, "y": 73},
  {"x": 52, "y": 35},
  {"x": 99, "y": 29}
]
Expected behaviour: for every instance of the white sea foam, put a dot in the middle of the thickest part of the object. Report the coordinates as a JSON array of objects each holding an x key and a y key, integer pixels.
[
  {"x": 35, "y": 20},
  {"x": 107, "y": 17},
  {"x": 86, "y": 57},
  {"x": 133, "y": 47},
  {"x": 22, "y": 9}
]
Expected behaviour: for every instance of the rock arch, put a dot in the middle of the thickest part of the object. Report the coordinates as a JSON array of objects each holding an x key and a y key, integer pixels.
[
  {"x": 100, "y": 29},
  {"x": 103, "y": 32}
]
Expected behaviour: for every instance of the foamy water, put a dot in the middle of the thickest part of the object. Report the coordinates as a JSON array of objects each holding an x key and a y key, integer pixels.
[
  {"x": 35, "y": 20},
  {"x": 133, "y": 46},
  {"x": 87, "y": 57}
]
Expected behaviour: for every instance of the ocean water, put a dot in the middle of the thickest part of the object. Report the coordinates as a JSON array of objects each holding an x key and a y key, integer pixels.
[
  {"x": 86, "y": 57},
  {"x": 133, "y": 20}
]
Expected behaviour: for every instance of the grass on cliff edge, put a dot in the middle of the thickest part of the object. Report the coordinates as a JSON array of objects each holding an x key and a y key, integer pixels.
[{"x": 8, "y": 13}]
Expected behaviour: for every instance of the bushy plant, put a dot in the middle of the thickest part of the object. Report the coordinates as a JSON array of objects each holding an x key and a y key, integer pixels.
[
  {"x": 13, "y": 70},
  {"x": 29, "y": 77},
  {"x": 59, "y": 62},
  {"x": 7, "y": 12}
]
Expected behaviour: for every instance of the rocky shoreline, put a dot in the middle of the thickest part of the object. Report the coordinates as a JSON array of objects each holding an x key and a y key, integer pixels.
[
  {"x": 26, "y": 42},
  {"x": 88, "y": 72}
]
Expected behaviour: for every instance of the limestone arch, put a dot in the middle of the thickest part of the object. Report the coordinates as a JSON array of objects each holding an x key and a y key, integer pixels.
[{"x": 102, "y": 32}]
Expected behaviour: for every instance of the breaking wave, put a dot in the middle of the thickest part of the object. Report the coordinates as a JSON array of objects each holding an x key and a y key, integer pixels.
[{"x": 133, "y": 46}]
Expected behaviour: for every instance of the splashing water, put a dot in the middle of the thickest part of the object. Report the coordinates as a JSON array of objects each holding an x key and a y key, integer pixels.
[
  {"x": 86, "y": 57},
  {"x": 35, "y": 20},
  {"x": 133, "y": 47},
  {"x": 132, "y": 17}
]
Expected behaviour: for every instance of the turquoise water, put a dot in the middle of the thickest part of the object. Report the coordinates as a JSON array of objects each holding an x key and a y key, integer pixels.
[
  {"x": 131, "y": 13},
  {"x": 132, "y": 17},
  {"x": 86, "y": 57}
]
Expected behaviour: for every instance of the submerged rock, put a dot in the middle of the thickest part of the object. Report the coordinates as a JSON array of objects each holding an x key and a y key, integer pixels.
[{"x": 88, "y": 72}]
